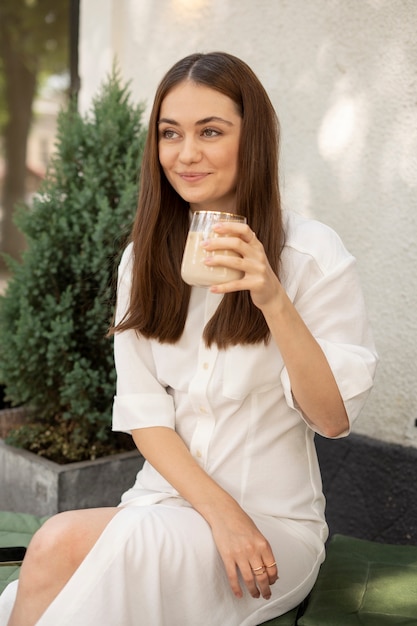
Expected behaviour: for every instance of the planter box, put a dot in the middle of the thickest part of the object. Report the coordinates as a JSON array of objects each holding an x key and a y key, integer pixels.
[{"x": 31, "y": 484}]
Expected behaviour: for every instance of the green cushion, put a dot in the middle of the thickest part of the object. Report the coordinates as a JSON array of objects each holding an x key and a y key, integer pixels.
[
  {"x": 364, "y": 583},
  {"x": 16, "y": 529},
  {"x": 8, "y": 573}
]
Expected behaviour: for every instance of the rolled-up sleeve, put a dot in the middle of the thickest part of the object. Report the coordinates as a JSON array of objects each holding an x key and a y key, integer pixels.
[
  {"x": 333, "y": 308},
  {"x": 140, "y": 401}
]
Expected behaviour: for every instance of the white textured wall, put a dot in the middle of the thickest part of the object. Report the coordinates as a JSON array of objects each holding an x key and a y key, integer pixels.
[{"x": 343, "y": 77}]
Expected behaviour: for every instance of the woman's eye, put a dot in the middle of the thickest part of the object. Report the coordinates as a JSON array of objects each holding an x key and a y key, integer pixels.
[
  {"x": 210, "y": 132},
  {"x": 169, "y": 134}
]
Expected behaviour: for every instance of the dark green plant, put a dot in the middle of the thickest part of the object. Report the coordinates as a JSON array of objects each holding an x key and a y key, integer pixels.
[{"x": 54, "y": 354}]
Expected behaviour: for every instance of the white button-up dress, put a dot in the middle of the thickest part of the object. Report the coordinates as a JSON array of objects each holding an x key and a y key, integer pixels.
[
  {"x": 234, "y": 408},
  {"x": 156, "y": 563}
]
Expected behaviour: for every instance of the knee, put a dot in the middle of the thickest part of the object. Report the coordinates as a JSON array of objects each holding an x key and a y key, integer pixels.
[{"x": 53, "y": 543}]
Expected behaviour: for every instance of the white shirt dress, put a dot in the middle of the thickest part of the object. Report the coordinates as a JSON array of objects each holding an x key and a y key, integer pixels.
[{"x": 156, "y": 563}]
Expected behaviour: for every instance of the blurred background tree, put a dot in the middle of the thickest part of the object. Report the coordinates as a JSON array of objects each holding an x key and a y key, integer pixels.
[{"x": 34, "y": 43}]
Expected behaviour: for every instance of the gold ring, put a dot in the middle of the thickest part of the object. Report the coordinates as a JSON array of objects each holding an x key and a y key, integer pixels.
[
  {"x": 257, "y": 569},
  {"x": 260, "y": 573},
  {"x": 272, "y": 564}
]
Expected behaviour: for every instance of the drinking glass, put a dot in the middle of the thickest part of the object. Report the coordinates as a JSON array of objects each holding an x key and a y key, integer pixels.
[{"x": 193, "y": 269}]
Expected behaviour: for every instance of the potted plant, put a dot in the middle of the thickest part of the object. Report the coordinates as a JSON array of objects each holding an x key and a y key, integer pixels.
[{"x": 55, "y": 358}]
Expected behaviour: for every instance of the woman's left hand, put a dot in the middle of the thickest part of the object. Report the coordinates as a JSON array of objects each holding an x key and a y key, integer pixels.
[{"x": 258, "y": 276}]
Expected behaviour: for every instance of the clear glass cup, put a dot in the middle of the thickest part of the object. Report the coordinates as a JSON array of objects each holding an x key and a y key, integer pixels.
[{"x": 193, "y": 269}]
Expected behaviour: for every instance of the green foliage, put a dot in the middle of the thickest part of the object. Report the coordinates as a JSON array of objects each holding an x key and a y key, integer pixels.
[
  {"x": 54, "y": 354},
  {"x": 36, "y": 32}
]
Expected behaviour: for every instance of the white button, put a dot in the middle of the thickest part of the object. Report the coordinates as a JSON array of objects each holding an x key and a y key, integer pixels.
[
  {"x": 198, "y": 454},
  {"x": 205, "y": 366},
  {"x": 203, "y": 409}
]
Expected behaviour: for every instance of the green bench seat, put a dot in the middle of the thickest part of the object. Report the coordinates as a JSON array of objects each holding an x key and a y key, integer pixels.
[
  {"x": 364, "y": 583},
  {"x": 361, "y": 583}
]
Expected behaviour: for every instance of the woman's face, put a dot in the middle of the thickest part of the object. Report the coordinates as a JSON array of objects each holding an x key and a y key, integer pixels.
[{"x": 198, "y": 142}]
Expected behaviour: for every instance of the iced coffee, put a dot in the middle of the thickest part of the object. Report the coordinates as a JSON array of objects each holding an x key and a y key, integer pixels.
[{"x": 193, "y": 270}]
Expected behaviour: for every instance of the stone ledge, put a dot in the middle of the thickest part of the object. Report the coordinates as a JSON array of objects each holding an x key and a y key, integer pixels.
[
  {"x": 31, "y": 484},
  {"x": 371, "y": 488}
]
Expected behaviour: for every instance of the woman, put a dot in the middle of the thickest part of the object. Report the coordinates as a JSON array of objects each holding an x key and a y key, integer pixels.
[{"x": 221, "y": 388}]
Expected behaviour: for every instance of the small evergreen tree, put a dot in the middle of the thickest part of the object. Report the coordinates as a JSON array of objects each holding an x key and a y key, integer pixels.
[{"x": 54, "y": 354}]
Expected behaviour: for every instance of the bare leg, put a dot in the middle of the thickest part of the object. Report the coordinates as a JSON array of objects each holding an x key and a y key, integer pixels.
[{"x": 55, "y": 552}]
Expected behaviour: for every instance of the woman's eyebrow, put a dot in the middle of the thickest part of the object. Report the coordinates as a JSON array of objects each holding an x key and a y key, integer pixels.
[
  {"x": 206, "y": 120},
  {"x": 213, "y": 118},
  {"x": 166, "y": 120}
]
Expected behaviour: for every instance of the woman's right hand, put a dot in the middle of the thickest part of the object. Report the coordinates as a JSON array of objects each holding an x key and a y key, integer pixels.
[
  {"x": 244, "y": 549},
  {"x": 241, "y": 545}
]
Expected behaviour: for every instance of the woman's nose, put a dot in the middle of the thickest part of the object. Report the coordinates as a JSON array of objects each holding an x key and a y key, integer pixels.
[{"x": 190, "y": 151}]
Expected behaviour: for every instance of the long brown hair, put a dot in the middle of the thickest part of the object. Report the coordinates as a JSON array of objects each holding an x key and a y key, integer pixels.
[{"x": 159, "y": 298}]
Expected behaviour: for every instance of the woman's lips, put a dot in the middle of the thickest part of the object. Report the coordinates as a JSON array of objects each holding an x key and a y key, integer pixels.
[{"x": 192, "y": 177}]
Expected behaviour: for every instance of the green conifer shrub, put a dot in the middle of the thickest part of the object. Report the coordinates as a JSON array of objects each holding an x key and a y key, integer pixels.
[{"x": 54, "y": 354}]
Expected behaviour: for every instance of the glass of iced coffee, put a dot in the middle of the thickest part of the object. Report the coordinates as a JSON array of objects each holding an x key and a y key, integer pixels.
[{"x": 193, "y": 270}]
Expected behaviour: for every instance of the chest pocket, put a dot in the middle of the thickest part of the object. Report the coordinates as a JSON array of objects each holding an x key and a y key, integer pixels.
[{"x": 251, "y": 369}]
